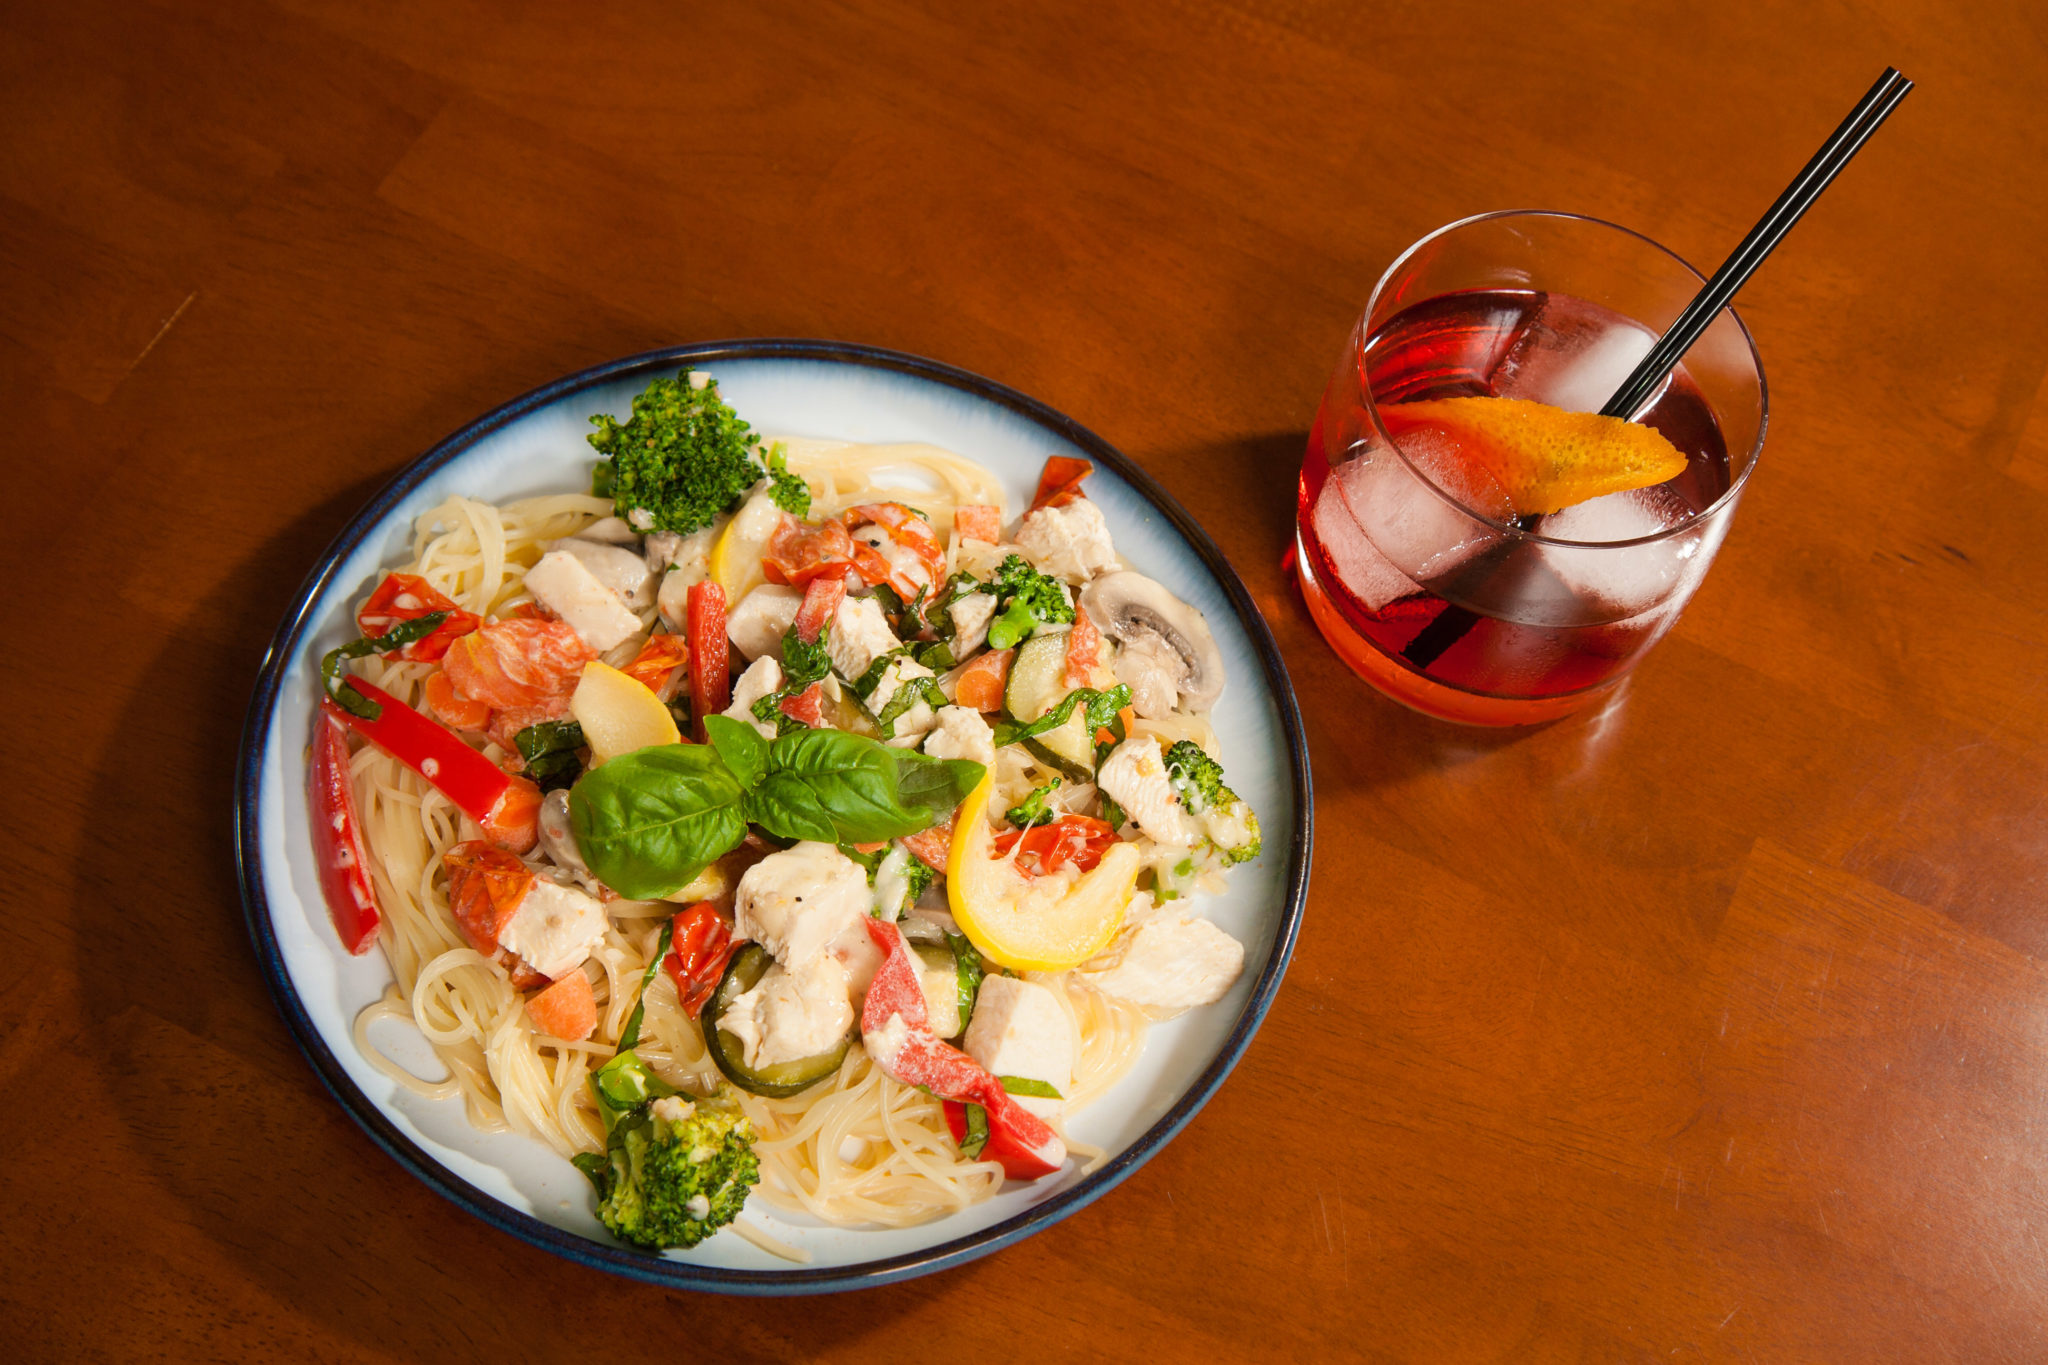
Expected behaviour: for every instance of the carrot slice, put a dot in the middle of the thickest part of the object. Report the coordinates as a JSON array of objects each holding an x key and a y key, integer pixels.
[
  {"x": 978, "y": 521},
  {"x": 1084, "y": 643},
  {"x": 567, "y": 1009},
  {"x": 981, "y": 682}
]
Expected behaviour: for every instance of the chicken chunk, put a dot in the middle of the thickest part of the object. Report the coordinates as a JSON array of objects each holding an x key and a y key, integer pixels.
[
  {"x": 762, "y": 678},
  {"x": 908, "y": 725},
  {"x": 1134, "y": 776},
  {"x": 562, "y": 584},
  {"x": 789, "y": 1015},
  {"x": 798, "y": 902},
  {"x": 681, "y": 562},
  {"x": 1020, "y": 1029},
  {"x": 971, "y": 613},
  {"x": 759, "y": 620},
  {"x": 1171, "y": 962},
  {"x": 960, "y": 732},
  {"x": 1070, "y": 542},
  {"x": 619, "y": 568},
  {"x": 860, "y": 635},
  {"x": 555, "y": 928}
]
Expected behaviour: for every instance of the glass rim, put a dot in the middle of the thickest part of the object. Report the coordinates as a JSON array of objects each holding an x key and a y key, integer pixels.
[{"x": 1510, "y": 528}]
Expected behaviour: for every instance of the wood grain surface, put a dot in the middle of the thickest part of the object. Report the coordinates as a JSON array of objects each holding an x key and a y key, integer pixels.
[{"x": 1709, "y": 1027}]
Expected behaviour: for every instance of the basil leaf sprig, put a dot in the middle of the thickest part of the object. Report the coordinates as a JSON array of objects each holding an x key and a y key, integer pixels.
[
  {"x": 334, "y": 666},
  {"x": 649, "y": 821}
]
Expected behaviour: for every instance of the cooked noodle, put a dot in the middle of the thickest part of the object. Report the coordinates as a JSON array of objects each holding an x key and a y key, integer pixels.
[{"x": 860, "y": 1148}]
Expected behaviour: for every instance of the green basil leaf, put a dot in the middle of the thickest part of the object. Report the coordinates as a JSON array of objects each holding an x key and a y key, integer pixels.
[
  {"x": 649, "y": 821},
  {"x": 967, "y": 973},
  {"x": 977, "y": 1132},
  {"x": 867, "y": 682},
  {"x": 1024, "y": 1085},
  {"x": 787, "y": 807},
  {"x": 937, "y": 784},
  {"x": 852, "y": 781},
  {"x": 334, "y": 664},
  {"x": 741, "y": 746},
  {"x": 598, "y": 1167},
  {"x": 804, "y": 664},
  {"x": 1102, "y": 712},
  {"x": 630, "y": 1038},
  {"x": 549, "y": 749}
]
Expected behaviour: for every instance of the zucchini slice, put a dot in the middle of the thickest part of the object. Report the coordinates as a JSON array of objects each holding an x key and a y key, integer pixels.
[
  {"x": 1069, "y": 748},
  {"x": 783, "y": 1079},
  {"x": 1037, "y": 676}
]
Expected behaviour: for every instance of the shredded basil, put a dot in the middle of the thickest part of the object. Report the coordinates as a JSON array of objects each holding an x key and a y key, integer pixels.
[
  {"x": 977, "y": 1132},
  {"x": 1102, "y": 708},
  {"x": 334, "y": 666},
  {"x": 549, "y": 749}
]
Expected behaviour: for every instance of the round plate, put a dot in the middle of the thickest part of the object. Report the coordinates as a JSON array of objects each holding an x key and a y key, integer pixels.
[{"x": 536, "y": 444}]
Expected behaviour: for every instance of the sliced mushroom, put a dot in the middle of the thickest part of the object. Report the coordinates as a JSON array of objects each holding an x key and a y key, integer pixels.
[
  {"x": 1162, "y": 640},
  {"x": 558, "y": 840}
]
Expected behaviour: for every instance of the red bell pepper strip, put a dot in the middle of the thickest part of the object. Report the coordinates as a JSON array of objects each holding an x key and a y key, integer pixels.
[
  {"x": 710, "y": 655},
  {"x": 1060, "y": 483},
  {"x": 337, "y": 834},
  {"x": 507, "y": 807},
  {"x": 407, "y": 597},
  {"x": 898, "y": 1038},
  {"x": 806, "y": 707},
  {"x": 703, "y": 945},
  {"x": 822, "y": 597}
]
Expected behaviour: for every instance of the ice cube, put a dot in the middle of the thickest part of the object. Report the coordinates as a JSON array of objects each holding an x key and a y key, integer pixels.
[
  {"x": 1419, "y": 529},
  {"x": 1573, "y": 355},
  {"x": 1627, "y": 515},
  {"x": 1364, "y": 571},
  {"x": 1614, "y": 582}
]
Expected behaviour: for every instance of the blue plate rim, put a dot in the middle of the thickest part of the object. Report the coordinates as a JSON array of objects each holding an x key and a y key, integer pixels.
[{"x": 676, "y": 1274}]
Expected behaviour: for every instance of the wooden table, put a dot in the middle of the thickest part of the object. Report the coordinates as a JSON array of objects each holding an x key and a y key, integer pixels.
[{"x": 1710, "y": 1027}]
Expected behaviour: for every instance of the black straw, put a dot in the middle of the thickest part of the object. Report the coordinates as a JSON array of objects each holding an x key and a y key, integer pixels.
[
  {"x": 1450, "y": 625},
  {"x": 1827, "y": 163}
]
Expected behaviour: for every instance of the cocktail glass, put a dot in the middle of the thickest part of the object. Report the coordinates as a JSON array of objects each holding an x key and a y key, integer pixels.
[{"x": 1417, "y": 569}]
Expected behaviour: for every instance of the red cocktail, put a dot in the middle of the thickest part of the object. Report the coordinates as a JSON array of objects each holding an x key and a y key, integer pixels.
[{"x": 1424, "y": 576}]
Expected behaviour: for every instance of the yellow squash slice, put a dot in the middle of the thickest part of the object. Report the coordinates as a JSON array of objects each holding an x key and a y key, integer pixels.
[
  {"x": 618, "y": 714},
  {"x": 1043, "y": 924}
]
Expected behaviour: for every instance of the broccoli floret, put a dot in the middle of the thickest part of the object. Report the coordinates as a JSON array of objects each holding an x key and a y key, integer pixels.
[
  {"x": 682, "y": 460},
  {"x": 1029, "y": 599},
  {"x": 1032, "y": 810},
  {"x": 788, "y": 490},
  {"x": 674, "y": 1170},
  {"x": 1231, "y": 825}
]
